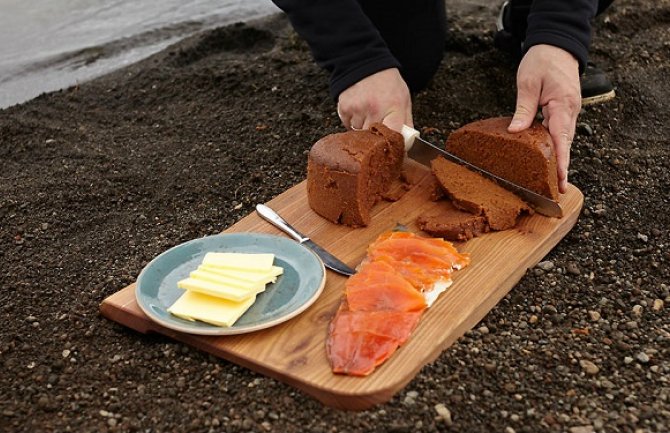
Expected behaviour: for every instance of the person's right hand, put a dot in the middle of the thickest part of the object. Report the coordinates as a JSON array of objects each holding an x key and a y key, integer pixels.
[
  {"x": 381, "y": 97},
  {"x": 548, "y": 76}
]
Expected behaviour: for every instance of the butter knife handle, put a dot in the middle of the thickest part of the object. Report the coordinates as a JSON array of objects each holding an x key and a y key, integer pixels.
[{"x": 273, "y": 218}]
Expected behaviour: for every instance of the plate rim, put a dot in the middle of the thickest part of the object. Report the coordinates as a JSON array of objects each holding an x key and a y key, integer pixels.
[{"x": 223, "y": 331}]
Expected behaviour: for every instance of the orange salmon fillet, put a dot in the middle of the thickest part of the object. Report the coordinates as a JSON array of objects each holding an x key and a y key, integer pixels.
[{"x": 383, "y": 302}]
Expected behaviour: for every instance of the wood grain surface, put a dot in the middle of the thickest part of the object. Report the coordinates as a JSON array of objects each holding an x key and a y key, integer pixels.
[{"x": 294, "y": 352}]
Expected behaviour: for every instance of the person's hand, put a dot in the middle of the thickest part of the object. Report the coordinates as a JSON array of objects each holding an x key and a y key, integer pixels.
[
  {"x": 381, "y": 97},
  {"x": 548, "y": 76}
]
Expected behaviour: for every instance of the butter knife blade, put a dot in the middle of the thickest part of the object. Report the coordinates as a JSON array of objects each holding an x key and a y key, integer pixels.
[
  {"x": 329, "y": 260},
  {"x": 426, "y": 152}
]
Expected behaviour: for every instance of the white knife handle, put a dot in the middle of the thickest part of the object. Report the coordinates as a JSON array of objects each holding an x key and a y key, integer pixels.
[
  {"x": 273, "y": 217},
  {"x": 409, "y": 134}
]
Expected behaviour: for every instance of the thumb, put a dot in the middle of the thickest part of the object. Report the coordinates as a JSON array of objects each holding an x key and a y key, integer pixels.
[{"x": 527, "y": 101}]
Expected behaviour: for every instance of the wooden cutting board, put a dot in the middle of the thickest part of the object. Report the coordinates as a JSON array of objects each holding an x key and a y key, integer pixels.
[{"x": 294, "y": 352}]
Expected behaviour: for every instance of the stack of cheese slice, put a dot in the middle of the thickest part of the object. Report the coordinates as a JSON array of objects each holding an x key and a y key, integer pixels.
[{"x": 224, "y": 286}]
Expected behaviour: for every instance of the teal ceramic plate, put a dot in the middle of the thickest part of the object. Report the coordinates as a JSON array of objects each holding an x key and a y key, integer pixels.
[{"x": 300, "y": 285}]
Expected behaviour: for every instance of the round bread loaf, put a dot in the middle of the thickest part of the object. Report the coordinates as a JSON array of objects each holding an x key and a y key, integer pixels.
[
  {"x": 348, "y": 173},
  {"x": 526, "y": 158}
]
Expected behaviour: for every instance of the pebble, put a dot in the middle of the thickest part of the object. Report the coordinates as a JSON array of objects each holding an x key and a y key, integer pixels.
[
  {"x": 573, "y": 269},
  {"x": 627, "y": 360},
  {"x": 582, "y": 429},
  {"x": 509, "y": 429},
  {"x": 594, "y": 315},
  {"x": 589, "y": 367},
  {"x": 444, "y": 413},
  {"x": 410, "y": 398},
  {"x": 642, "y": 357},
  {"x": 43, "y": 401},
  {"x": 658, "y": 305},
  {"x": 584, "y": 129},
  {"x": 607, "y": 384},
  {"x": 642, "y": 237},
  {"x": 549, "y": 309},
  {"x": 632, "y": 324},
  {"x": 533, "y": 319},
  {"x": 637, "y": 310},
  {"x": 112, "y": 422},
  {"x": 66, "y": 353},
  {"x": 546, "y": 265},
  {"x": 483, "y": 330},
  {"x": 247, "y": 423}
]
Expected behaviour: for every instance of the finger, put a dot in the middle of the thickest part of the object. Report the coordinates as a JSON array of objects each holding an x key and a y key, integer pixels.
[
  {"x": 527, "y": 101},
  {"x": 395, "y": 121},
  {"x": 545, "y": 117},
  {"x": 357, "y": 122},
  {"x": 344, "y": 116},
  {"x": 562, "y": 130},
  {"x": 397, "y": 118}
]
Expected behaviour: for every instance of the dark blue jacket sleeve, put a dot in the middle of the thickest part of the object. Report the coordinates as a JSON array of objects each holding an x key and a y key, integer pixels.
[
  {"x": 346, "y": 43},
  {"x": 563, "y": 23},
  {"x": 342, "y": 39}
]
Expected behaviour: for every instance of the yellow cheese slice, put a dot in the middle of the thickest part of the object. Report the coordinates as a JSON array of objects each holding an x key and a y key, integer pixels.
[
  {"x": 224, "y": 280},
  {"x": 240, "y": 261},
  {"x": 216, "y": 311},
  {"x": 250, "y": 276},
  {"x": 231, "y": 293}
]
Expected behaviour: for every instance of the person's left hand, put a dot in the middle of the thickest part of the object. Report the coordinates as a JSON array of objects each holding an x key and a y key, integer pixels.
[{"x": 548, "y": 76}]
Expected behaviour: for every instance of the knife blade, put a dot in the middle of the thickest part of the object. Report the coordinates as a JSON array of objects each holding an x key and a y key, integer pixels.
[
  {"x": 329, "y": 260},
  {"x": 426, "y": 152}
]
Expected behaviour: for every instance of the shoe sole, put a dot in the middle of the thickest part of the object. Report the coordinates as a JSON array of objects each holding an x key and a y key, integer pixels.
[{"x": 598, "y": 99}]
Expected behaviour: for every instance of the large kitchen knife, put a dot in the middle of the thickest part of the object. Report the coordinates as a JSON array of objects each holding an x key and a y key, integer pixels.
[
  {"x": 329, "y": 260},
  {"x": 425, "y": 152}
]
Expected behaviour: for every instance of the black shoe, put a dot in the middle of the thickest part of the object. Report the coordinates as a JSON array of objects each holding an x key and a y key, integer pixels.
[
  {"x": 504, "y": 39},
  {"x": 595, "y": 86}
]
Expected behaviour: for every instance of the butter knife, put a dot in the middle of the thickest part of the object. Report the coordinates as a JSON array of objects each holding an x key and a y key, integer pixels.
[{"x": 329, "y": 260}]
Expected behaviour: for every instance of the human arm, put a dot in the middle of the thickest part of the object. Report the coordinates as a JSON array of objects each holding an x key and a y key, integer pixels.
[
  {"x": 342, "y": 39},
  {"x": 364, "y": 75}
]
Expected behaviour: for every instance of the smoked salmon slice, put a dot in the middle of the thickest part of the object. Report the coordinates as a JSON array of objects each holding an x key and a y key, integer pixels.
[
  {"x": 383, "y": 302},
  {"x": 377, "y": 286},
  {"x": 405, "y": 245},
  {"x": 361, "y": 340}
]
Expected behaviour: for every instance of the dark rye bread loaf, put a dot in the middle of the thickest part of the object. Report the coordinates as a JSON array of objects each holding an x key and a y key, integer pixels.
[
  {"x": 471, "y": 192},
  {"x": 349, "y": 172},
  {"x": 526, "y": 158}
]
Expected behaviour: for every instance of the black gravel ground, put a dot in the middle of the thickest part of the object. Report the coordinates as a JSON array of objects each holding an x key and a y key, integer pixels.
[{"x": 97, "y": 180}]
